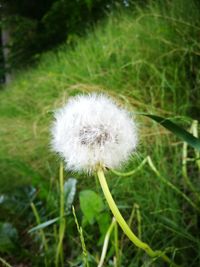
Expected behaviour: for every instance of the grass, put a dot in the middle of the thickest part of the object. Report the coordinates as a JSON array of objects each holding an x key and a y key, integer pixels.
[{"x": 148, "y": 60}]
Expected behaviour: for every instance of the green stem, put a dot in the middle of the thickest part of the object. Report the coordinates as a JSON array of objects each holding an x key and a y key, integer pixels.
[
  {"x": 124, "y": 225},
  {"x": 42, "y": 234},
  {"x": 37, "y": 217},
  {"x": 195, "y": 133},
  {"x": 185, "y": 173},
  {"x": 124, "y": 174},
  {"x": 117, "y": 246},
  {"x": 5, "y": 263},
  {"x": 80, "y": 231},
  {"x": 105, "y": 243},
  {"x": 138, "y": 215},
  {"x": 59, "y": 251}
]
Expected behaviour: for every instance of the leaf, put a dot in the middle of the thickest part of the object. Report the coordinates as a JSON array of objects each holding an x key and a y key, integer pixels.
[
  {"x": 43, "y": 225},
  {"x": 91, "y": 205},
  {"x": 177, "y": 130},
  {"x": 69, "y": 192},
  {"x": 8, "y": 237}
]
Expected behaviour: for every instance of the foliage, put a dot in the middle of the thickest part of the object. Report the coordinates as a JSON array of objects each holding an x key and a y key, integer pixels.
[
  {"x": 148, "y": 60},
  {"x": 91, "y": 205},
  {"x": 37, "y": 26}
]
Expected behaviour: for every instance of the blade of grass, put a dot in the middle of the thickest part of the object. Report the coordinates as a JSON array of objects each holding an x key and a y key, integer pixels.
[
  {"x": 177, "y": 130},
  {"x": 44, "y": 225}
]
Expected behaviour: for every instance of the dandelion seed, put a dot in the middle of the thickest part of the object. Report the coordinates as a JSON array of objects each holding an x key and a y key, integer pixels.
[{"x": 92, "y": 130}]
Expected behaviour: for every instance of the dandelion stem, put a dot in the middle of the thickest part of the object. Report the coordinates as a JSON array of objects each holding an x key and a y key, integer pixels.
[{"x": 136, "y": 241}]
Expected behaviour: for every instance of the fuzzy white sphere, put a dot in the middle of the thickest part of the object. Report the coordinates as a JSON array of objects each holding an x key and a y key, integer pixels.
[{"x": 92, "y": 130}]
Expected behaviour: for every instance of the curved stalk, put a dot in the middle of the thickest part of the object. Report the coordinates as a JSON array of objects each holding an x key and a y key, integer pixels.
[
  {"x": 126, "y": 229},
  {"x": 124, "y": 174}
]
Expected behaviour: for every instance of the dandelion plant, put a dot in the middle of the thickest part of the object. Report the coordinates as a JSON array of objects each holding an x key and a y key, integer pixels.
[{"x": 92, "y": 134}]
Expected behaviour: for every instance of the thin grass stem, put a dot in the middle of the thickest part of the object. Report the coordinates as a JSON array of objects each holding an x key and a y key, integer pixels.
[
  {"x": 185, "y": 172},
  {"x": 5, "y": 263},
  {"x": 80, "y": 231},
  {"x": 195, "y": 133},
  {"x": 117, "y": 252},
  {"x": 59, "y": 249},
  {"x": 139, "y": 220},
  {"x": 42, "y": 234},
  {"x": 185, "y": 159},
  {"x": 37, "y": 217},
  {"x": 105, "y": 243}
]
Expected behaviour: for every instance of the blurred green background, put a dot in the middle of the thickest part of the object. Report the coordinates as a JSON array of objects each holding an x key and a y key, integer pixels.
[{"x": 146, "y": 56}]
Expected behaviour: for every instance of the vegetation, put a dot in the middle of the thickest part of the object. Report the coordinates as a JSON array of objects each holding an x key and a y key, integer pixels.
[
  {"x": 37, "y": 26},
  {"x": 148, "y": 60}
]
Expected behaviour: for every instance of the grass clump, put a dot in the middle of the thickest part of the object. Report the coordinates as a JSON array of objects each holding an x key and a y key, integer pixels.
[{"x": 148, "y": 60}]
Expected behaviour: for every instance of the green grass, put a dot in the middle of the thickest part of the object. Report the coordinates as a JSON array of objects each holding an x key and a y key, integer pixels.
[{"x": 147, "y": 60}]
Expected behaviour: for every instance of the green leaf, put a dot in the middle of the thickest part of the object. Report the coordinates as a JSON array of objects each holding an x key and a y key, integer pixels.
[
  {"x": 177, "y": 130},
  {"x": 43, "y": 225},
  {"x": 69, "y": 192},
  {"x": 91, "y": 205}
]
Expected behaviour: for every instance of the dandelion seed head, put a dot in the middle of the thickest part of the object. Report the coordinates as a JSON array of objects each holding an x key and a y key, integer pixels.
[{"x": 92, "y": 130}]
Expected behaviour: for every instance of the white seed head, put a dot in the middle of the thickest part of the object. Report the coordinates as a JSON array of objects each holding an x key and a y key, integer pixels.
[{"x": 92, "y": 130}]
